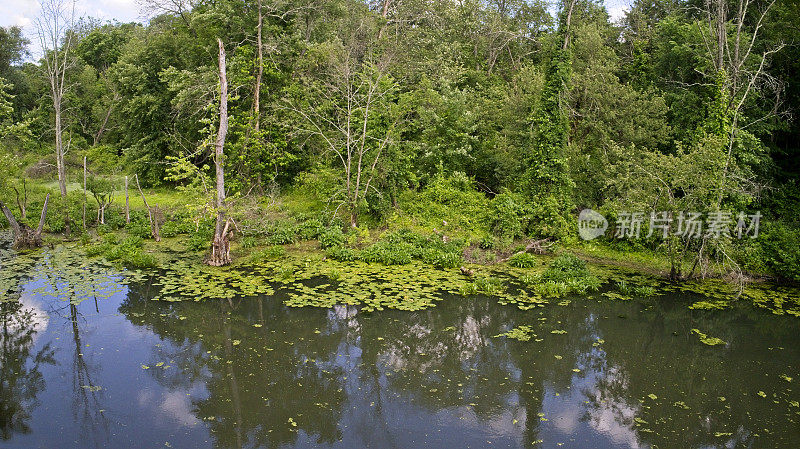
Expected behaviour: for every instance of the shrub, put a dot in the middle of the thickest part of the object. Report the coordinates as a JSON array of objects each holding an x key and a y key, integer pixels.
[
  {"x": 198, "y": 242},
  {"x": 138, "y": 229},
  {"x": 487, "y": 242},
  {"x": 177, "y": 226},
  {"x": 269, "y": 253},
  {"x": 128, "y": 252},
  {"x": 342, "y": 254},
  {"x": 249, "y": 241},
  {"x": 282, "y": 233},
  {"x": 566, "y": 274},
  {"x": 387, "y": 253},
  {"x": 441, "y": 259},
  {"x": 522, "y": 260},
  {"x": 509, "y": 215},
  {"x": 486, "y": 285},
  {"x": 331, "y": 237},
  {"x": 310, "y": 229}
]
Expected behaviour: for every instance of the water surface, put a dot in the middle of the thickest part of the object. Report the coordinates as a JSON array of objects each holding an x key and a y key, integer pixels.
[{"x": 88, "y": 361}]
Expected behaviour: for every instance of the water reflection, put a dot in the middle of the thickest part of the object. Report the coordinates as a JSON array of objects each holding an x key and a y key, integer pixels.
[
  {"x": 21, "y": 378},
  {"x": 110, "y": 368}
]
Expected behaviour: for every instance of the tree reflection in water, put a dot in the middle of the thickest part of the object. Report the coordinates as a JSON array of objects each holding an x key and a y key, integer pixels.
[{"x": 20, "y": 375}]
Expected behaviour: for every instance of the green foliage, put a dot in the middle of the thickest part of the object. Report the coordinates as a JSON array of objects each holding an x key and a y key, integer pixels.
[
  {"x": 331, "y": 237},
  {"x": 139, "y": 229},
  {"x": 486, "y": 285},
  {"x": 509, "y": 215},
  {"x": 522, "y": 260},
  {"x": 565, "y": 275},
  {"x": 127, "y": 252},
  {"x": 778, "y": 248},
  {"x": 388, "y": 253},
  {"x": 342, "y": 254},
  {"x": 269, "y": 253},
  {"x": 310, "y": 229},
  {"x": 282, "y": 233}
]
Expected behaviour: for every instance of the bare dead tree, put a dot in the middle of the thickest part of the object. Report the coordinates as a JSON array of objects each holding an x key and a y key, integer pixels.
[
  {"x": 54, "y": 28},
  {"x": 220, "y": 246}
]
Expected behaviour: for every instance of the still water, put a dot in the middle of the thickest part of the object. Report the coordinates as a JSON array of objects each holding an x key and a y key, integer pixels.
[{"x": 118, "y": 370}]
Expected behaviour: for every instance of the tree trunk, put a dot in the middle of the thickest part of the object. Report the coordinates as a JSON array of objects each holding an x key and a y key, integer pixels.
[
  {"x": 220, "y": 246},
  {"x": 25, "y": 237},
  {"x": 127, "y": 203},
  {"x": 257, "y": 94},
  {"x": 84, "y": 192},
  {"x": 153, "y": 220},
  {"x": 62, "y": 175}
]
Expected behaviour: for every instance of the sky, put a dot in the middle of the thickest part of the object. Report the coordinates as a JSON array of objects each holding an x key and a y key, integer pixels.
[{"x": 23, "y": 12}]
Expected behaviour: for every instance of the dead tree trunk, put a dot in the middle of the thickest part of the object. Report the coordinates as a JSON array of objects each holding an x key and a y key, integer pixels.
[
  {"x": 153, "y": 220},
  {"x": 220, "y": 246},
  {"x": 127, "y": 203},
  {"x": 25, "y": 237},
  {"x": 84, "y": 193}
]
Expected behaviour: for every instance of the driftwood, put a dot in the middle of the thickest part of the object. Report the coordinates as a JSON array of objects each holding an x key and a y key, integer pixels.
[
  {"x": 534, "y": 246},
  {"x": 24, "y": 236}
]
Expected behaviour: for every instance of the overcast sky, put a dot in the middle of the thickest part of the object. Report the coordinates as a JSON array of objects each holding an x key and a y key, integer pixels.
[{"x": 23, "y": 12}]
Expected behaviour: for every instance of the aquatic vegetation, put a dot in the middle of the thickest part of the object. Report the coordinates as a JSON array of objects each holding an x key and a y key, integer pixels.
[
  {"x": 705, "y": 339},
  {"x": 522, "y": 260},
  {"x": 269, "y": 253},
  {"x": 249, "y": 241},
  {"x": 520, "y": 333},
  {"x": 486, "y": 285},
  {"x": 710, "y": 305},
  {"x": 387, "y": 253},
  {"x": 128, "y": 252},
  {"x": 343, "y": 254},
  {"x": 565, "y": 275}
]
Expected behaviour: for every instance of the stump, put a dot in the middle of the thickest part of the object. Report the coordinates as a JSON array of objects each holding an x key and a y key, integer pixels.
[
  {"x": 221, "y": 248},
  {"x": 24, "y": 236}
]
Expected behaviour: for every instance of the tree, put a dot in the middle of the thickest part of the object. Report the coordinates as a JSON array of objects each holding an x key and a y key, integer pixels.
[
  {"x": 55, "y": 28},
  {"x": 103, "y": 192},
  {"x": 348, "y": 108},
  {"x": 220, "y": 246}
]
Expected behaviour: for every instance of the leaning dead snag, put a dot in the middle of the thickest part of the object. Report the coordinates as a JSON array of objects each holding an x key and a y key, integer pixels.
[
  {"x": 24, "y": 236},
  {"x": 153, "y": 220},
  {"x": 220, "y": 246}
]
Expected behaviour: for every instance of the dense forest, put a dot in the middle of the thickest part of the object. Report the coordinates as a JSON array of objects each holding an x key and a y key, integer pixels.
[{"x": 492, "y": 121}]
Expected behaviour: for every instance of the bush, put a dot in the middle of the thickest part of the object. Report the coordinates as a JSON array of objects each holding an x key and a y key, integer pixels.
[
  {"x": 486, "y": 285},
  {"x": 342, "y": 254},
  {"x": 509, "y": 215},
  {"x": 566, "y": 274},
  {"x": 249, "y": 241},
  {"x": 522, "y": 260},
  {"x": 282, "y": 233},
  {"x": 128, "y": 252},
  {"x": 310, "y": 229},
  {"x": 139, "y": 229},
  {"x": 177, "y": 226},
  {"x": 331, "y": 237},
  {"x": 269, "y": 253},
  {"x": 780, "y": 250},
  {"x": 387, "y": 253}
]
